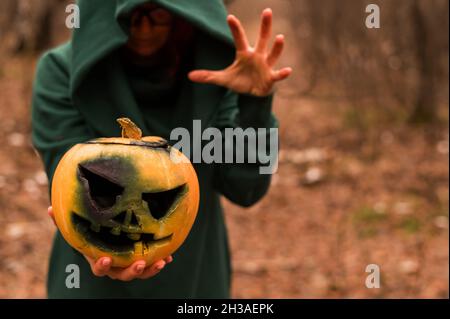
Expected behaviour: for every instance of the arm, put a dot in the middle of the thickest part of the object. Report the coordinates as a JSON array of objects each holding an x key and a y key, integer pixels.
[
  {"x": 250, "y": 80},
  {"x": 56, "y": 123},
  {"x": 244, "y": 183}
]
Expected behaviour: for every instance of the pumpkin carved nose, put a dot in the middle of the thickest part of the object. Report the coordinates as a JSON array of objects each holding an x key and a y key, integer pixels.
[{"x": 127, "y": 221}]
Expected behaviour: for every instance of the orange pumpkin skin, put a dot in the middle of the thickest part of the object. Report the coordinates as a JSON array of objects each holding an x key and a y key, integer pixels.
[{"x": 125, "y": 198}]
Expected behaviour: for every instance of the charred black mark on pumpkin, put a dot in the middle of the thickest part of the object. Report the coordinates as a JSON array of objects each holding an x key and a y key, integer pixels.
[
  {"x": 103, "y": 239},
  {"x": 160, "y": 203},
  {"x": 101, "y": 188},
  {"x": 163, "y": 144}
]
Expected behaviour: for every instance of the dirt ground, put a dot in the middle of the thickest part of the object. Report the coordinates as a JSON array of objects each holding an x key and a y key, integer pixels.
[{"x": 340, "y": 201}]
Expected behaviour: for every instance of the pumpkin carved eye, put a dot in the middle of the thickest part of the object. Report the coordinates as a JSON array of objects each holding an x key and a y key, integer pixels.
[
  {"x": 161, "y": 203},
  {"x": 102, "y": 191}
]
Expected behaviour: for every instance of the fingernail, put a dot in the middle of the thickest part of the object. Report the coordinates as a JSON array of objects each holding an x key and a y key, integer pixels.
[
  {"x": 106, "y": 262},
  {"x": 159, "y": 267},
  {"x": 140, "y": 268}
]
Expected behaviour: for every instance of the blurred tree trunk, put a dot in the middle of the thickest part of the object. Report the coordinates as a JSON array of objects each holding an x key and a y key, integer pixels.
[
  {"x": 397, "y": 71},
  {"x": 425, "y": 104},
  {"x": 26, "y": 25}
]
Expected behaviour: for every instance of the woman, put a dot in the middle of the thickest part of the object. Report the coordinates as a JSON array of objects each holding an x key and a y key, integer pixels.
[{"x": 163, "y": 64}]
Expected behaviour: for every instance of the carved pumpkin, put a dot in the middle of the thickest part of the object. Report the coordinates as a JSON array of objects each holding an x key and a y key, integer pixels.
[{"x": 125, "y": 198}]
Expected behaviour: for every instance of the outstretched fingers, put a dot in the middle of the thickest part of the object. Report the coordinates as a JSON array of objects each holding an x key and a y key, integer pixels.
[
  {"x": 277, "y": 50},
  {"x": 208, "y": 77},
  {"x": 282, "y": 74},
  {"x": 265, "y": 31},
  {"x": 238, "y": 32}
]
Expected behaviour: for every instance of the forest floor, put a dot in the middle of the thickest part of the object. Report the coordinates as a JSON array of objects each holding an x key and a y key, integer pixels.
[{"x": 342, "y": 199}]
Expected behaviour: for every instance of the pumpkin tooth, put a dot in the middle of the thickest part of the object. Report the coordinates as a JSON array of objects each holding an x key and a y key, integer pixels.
[
  {"x": 135, "y": 237},
  {"x": 95, "y": 227},
  {"x": 116, "y": 231},
  {"x": 139, "y": 248}
]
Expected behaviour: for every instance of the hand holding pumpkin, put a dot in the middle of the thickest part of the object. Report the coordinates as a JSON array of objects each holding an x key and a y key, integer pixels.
[
  {"x": 253, "y": 69},
  {"x": 138, "y": 270}
]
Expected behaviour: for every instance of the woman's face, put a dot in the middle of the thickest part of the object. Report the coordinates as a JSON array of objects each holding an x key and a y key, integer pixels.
[{"x": 149, "y": 30}]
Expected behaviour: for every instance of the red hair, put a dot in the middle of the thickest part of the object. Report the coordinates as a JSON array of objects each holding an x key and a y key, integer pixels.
[{"x": 179, "y": 44}]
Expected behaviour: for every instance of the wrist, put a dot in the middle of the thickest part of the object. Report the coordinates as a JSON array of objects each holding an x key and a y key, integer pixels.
[{"x": 255, "y": 111}]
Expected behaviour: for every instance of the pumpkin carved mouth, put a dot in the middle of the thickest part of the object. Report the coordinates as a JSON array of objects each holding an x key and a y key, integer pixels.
[{"x": 124, "y": 242}]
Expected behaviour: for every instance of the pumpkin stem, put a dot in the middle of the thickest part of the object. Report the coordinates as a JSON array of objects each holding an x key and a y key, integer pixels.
[{"x": 129, "y": 129}]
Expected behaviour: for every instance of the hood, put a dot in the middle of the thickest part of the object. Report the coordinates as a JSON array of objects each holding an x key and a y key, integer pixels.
[{"x": 102, "y": 32}]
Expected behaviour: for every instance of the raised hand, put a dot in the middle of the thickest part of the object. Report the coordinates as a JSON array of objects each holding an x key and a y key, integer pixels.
[{"x": 253, "y": 71}]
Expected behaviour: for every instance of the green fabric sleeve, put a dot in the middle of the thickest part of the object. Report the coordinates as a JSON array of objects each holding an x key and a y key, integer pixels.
[
  {"x": 255, "y": 111},
  {"x": 56, "y": 123},
  {"x": 243, "y": 183}
]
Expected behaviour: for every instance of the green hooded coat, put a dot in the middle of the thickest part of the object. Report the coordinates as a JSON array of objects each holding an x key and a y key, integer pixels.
[{"x": 83, "y": 86}]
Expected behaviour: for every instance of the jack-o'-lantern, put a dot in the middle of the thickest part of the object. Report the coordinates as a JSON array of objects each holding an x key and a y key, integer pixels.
[{"x": 125, "y": 198}]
